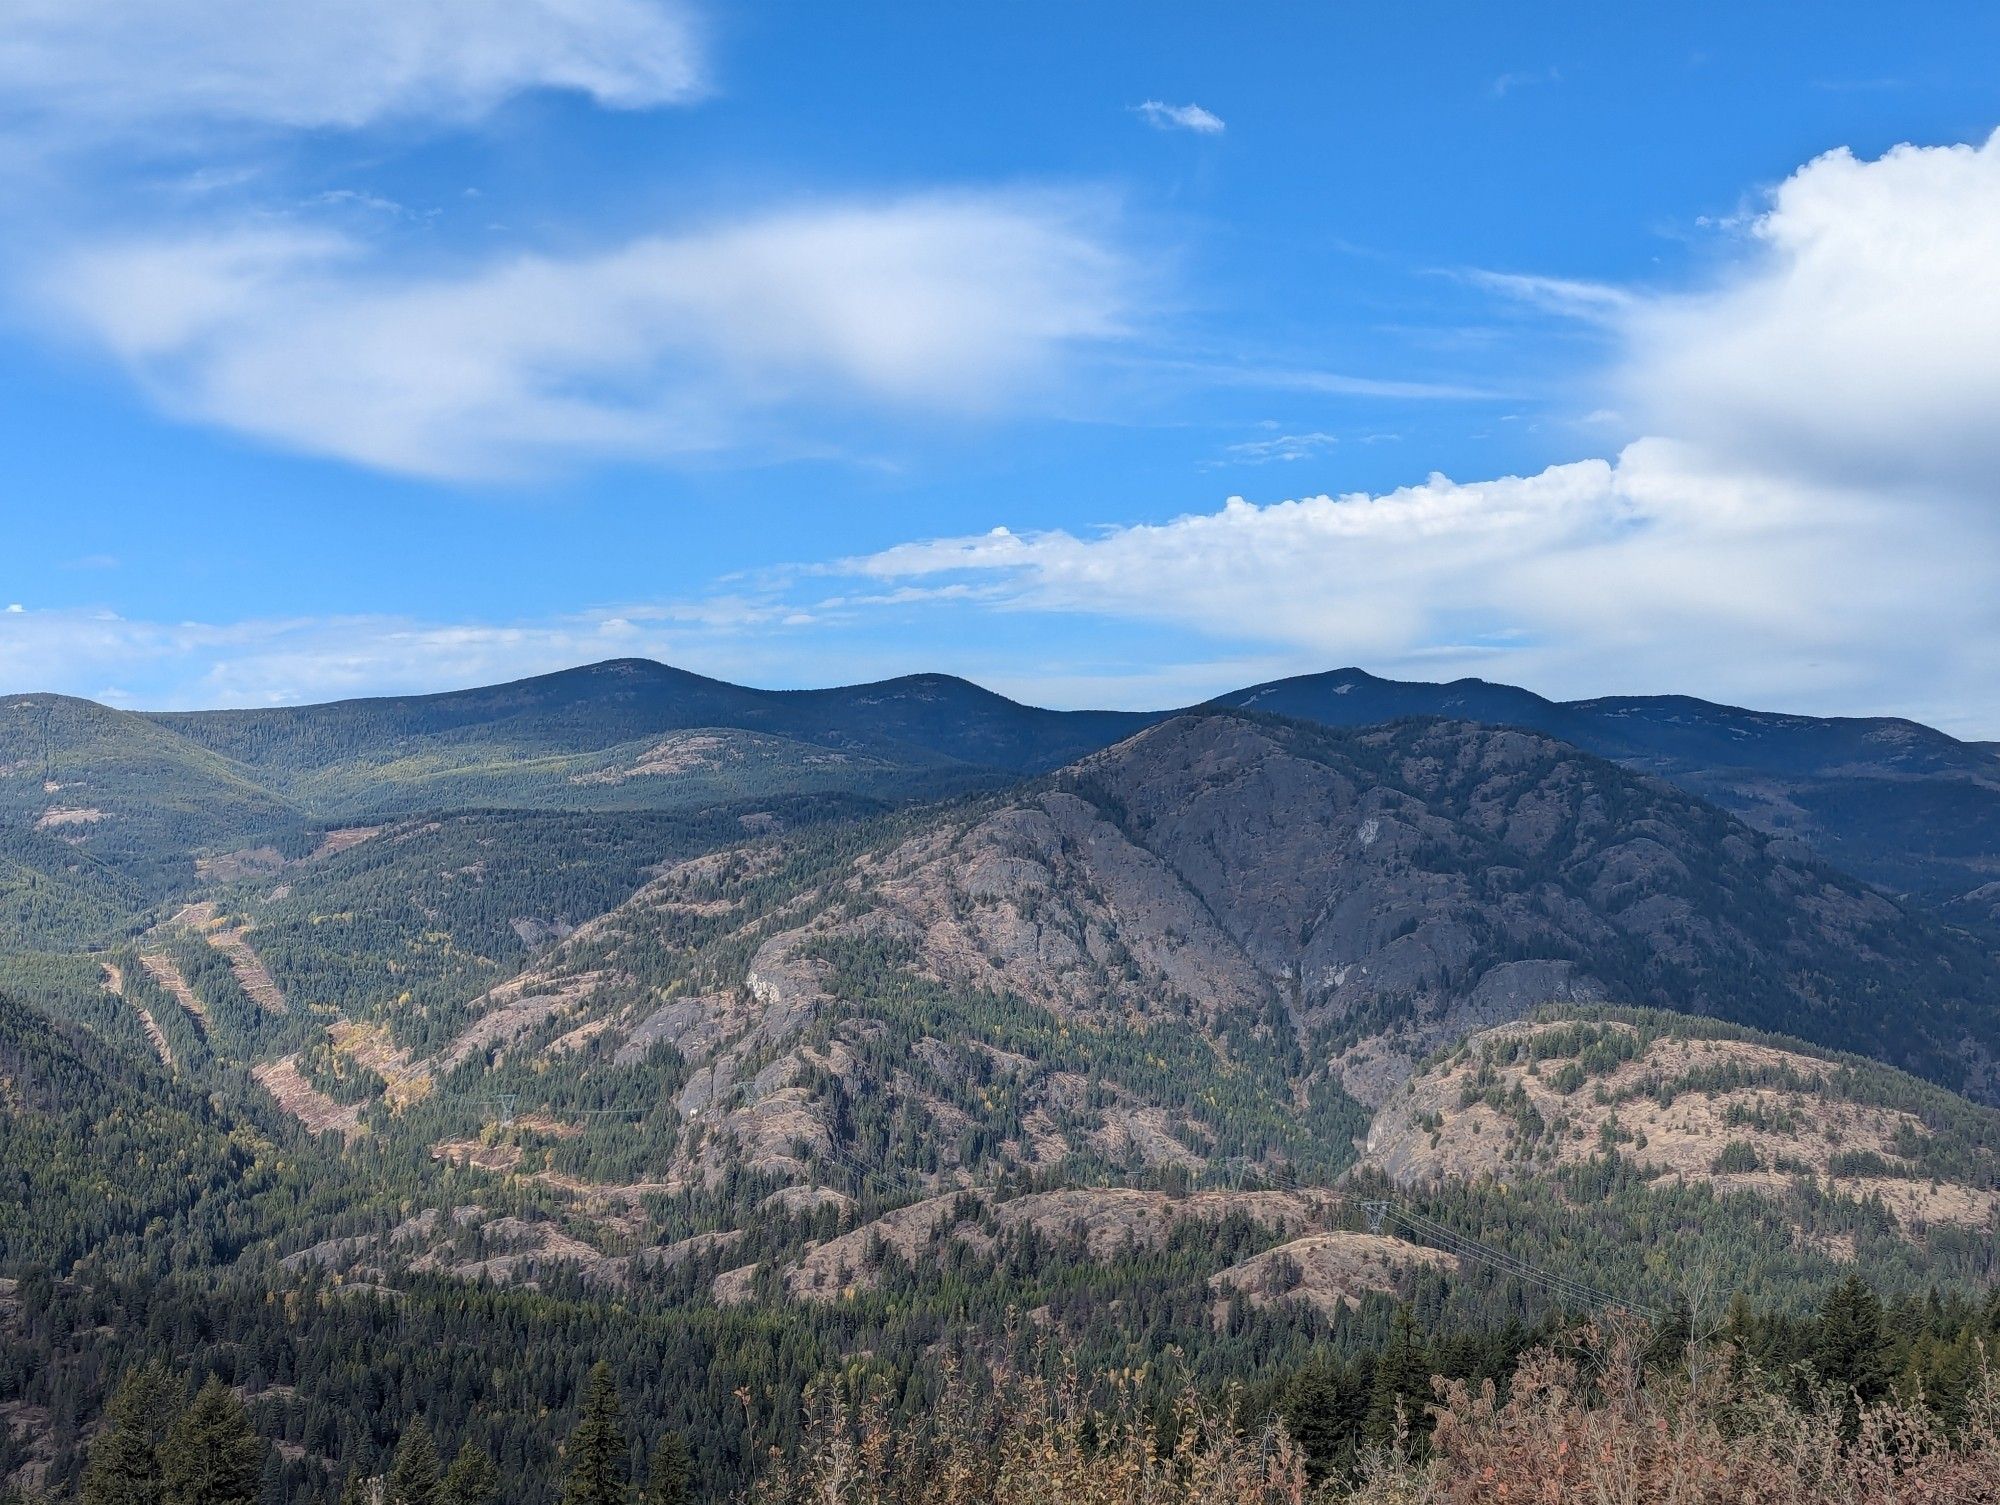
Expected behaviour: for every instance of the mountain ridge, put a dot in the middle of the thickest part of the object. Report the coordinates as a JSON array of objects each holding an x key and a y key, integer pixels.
[{"x": 1900, "y": 804}]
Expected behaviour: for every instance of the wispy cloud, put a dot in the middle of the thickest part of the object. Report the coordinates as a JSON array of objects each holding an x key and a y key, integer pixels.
[
  {"x": 93, "y": 66},
  {"x": 1190, "y": 117},
  {"x": 1509, "y": 83},
  {"x": 1280, "y": 378},
  {"x": 1571, "y": 297},
  {"x": 289, "y": 660},
  {"x": 1860, "y": 85},
  {"x": 667, "y": 345},
  {"x": 1280, "y": 447},
  {"x": 305, "y": 317}
]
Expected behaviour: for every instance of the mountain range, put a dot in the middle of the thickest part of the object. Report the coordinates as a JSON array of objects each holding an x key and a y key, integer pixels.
[
  {"x": 864, "y": 1015},
  {"x": 111, "y": 811}
]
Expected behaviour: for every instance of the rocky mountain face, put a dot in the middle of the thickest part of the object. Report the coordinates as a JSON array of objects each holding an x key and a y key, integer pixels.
[
  {"x": 1413, "y": 880},
  {"x": 107, "y": 815},
  {"x": 1900, "y": 804},
  {"x": 1225, "y": 937},
  {"x": 850, "y": 1025},
  {"x": 1679, "y": 1103},
  {"x": 1154, "y": 1052}
]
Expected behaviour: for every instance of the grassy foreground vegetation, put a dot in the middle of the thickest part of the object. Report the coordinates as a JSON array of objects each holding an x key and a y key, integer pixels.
[
  {"x": 1588, "y": 1419},
  {"x": 1859, "y": 1403}
]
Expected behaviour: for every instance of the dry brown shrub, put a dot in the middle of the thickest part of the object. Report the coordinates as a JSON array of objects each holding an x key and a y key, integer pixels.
[
  {"x": 1583, "y": 1424},
  {"x": 1029, "y": 1440},
  {"x": 1590, "y": 1426}
]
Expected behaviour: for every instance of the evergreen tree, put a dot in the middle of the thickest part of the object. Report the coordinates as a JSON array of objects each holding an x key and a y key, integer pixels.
[
  {"x": 667, "y": 1477},
  {"x": 597, "y": 1449},
  {"x": 271, "y": 1488},
  {"x": 211, "y": 1457},
  {"x": 472, "y": 1479},
  {"x": 1312, "y": 1414},
  {"x": 1851, "y": 1348},
  {"x": 125, "y": 1457},
  {"x": 1670, "y": 1339},
  {"x": 1402, "y": 1375},
  {"x": 413, "y": 1476}
]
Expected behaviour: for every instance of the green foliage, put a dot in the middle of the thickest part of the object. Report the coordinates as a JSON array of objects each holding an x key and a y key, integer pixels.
[
  {"x": 669, "y": 1472},
  {"x": 1850, "y": 1350},
  {"x": 472, "y": 1478},
  {"x": 595, "y": 1459},
  {"x": 125, "y": 1464},
  {"x": 1737, "y": 1157},
  {"x": 414, "y": 1477},
  {"x": 1400, "y": 1386},
  {"x": 98, "y": 1148},
  {"x": 210, "y": 1456}
]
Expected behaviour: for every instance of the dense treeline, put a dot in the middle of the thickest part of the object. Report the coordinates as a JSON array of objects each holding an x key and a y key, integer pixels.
[
  {"x": 162, "y": 1443},
  {"x": 1592, "y": 1417},
  {"x": 159, "y": 1208},
  {"x": 221, "y": 1433}
]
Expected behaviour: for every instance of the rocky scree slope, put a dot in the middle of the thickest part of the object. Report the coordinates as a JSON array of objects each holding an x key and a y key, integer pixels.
[{"x": 1217, "y": 939}]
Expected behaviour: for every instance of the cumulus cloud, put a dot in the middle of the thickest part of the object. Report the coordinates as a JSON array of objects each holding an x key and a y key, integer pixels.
[
  {"x": 664, "y": 345},
  {"x": 1657, "y": 570},
  {"x": 1860, "y": 337},
  {"x": 1165, "y": 117},
  {"x": 1819, "y": 525},
  {"x": 121, "y": 64}
]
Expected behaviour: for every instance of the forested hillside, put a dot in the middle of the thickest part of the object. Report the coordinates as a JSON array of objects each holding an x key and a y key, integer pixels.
[
  {"x": 1894, "y": 802},
  {"x": 469, "y": 1251},
  {"x": 428, "y": 1052},
  {"x": 109, "y": 813}
]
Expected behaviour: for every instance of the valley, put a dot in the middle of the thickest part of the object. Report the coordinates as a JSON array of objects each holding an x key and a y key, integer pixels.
[{"x": 885, "y": 1021}]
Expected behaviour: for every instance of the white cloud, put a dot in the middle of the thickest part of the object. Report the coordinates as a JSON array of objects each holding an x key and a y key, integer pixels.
[
  {"x": 1333, "y": 383},
  {"x": 1507, "y": 83},
  {"x": 121, "y": 64},
  {"x": 748, "y": 639},
  {"x": 1166, "y": 117},
  {"x": 1658, "y": 571},
  {"x": 1861, "y": 337},
  {"x": 1653, "y": 572},
  {"x": 274, "y": 661},
  {"x": 1596, "y": 301},
  {"x": 1284, "y": 447},
  {"x": 664, "y": 345},
  {"x": 1820, "y": 528}
]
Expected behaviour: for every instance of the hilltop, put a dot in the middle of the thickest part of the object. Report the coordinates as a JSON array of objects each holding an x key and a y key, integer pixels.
[{"x": 110, "y": 814}]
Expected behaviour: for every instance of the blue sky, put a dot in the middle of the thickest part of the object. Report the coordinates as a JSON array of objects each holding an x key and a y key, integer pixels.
[{"x": 413, "y": 343}]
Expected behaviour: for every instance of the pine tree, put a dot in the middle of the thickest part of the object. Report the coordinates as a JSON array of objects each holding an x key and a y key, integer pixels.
[
  {"x": 360, "y": 1489},
  {"x": 1402, "y": 1375},
  {"x": 1851, "y": 1351},
  {"x": 667, "y": 1477},
  {"x": 211, "y": 1457},
  {"x": 271, "y": 1487},
  {"x": 596, "y": 1453},
  {"x": 472, "y": 1479},
  {"x": 124, "y": 1464},
  {"x": 413, "y": 1476},
  {"x": 1312, "y": 1415}
]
